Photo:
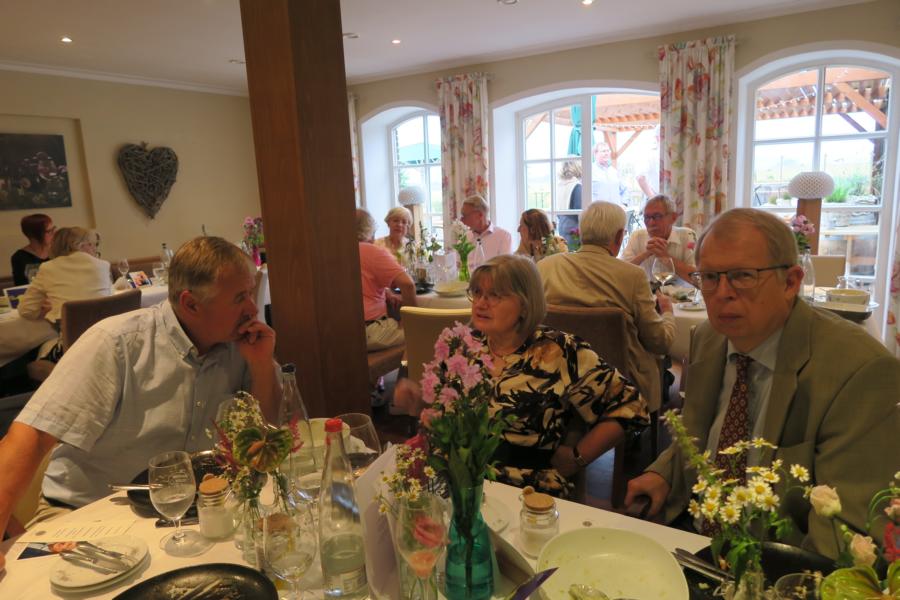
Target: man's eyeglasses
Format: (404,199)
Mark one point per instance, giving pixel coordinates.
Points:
(492,297)
(739,279)
(655,217)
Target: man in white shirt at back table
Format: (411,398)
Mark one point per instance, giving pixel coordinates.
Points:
(475,214)
(144,382)
(661,239)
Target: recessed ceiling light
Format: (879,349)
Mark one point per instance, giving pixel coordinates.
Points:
(508,2)
(351,36)
(237,61)
(587,2)
(395,42)
(65,39)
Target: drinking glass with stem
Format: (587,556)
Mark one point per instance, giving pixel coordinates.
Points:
(362,445)
(122,266)
(421,535)
(290,542)
(663,270)
(172,491)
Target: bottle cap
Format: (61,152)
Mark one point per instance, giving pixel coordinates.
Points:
(212,485)
(288,368)
(536,501)
(334,426)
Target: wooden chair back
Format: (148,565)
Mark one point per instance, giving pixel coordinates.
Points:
(79,315)
(421,328)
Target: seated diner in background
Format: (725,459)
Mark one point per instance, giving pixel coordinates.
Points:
(398,220)
(593,276)
(39,230)
(544,379)
(144,382)
(661,239)
(475,214)
(768,365)
(379,270)
(537,238)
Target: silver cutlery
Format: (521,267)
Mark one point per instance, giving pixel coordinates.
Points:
(104,565)
(89,548)
(130,487)
(707,569)
(162,522)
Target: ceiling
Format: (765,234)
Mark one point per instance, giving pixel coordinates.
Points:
(189,43)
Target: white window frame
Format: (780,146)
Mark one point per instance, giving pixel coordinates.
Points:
(760,74)
(427,214)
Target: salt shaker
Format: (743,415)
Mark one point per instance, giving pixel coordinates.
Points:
(538,521)
(215,512)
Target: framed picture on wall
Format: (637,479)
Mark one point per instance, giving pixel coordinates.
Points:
(33,172)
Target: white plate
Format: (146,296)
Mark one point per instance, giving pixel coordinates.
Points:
(690,306)
(619,563)
(75,578)
(451,288)
(678,292)
(496,515)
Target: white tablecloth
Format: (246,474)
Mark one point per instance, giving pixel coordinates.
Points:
(684,320)
(18,335)
(28,578)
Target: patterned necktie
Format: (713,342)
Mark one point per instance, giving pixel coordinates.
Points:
(736,425)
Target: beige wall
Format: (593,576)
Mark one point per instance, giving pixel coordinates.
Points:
(635,60)
(211,134)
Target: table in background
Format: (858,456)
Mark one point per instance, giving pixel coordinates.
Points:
(684,321)
(29,578)
(18,335)
(435,300)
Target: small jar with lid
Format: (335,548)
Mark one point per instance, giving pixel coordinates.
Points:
(214,508)
(538,521)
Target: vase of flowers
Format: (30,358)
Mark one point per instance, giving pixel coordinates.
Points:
(740,512)
(254,239)
(252,451)
(868,570)
(463,247)
(462,437)
(575,234)
(803,228)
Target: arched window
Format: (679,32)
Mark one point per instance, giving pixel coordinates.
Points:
(830,115)
(563,170)
(416,162)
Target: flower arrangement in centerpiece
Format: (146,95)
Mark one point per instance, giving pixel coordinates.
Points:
(463,247)
(743,513)
(423,249)
(251,450)
(550,245)
(803,228)
(254,239)
(462,438)
(575,234)
(861,559)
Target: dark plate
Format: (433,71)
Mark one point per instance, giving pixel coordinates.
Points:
(203,462)
(225,581)
(777,560)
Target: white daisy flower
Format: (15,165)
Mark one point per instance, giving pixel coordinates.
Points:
(730,513)
(699,486)
(694,508)
(800,473)
(709,509)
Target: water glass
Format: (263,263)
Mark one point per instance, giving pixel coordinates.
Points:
(798,586)
(160,273)
(172,490)
(362,445)
(290,543)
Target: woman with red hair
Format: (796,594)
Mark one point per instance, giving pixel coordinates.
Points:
(39,230)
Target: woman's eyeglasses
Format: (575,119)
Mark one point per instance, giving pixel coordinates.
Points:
(492,297)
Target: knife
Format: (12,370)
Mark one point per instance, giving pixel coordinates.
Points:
(102,564)
(694,563)
(89,548)
(131,487)
(525,590)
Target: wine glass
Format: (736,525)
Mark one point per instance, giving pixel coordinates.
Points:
(122,267)
(159,273)
(421,535)
(172,491)
(663,270)
(289,543)
(363,446)
(798,586)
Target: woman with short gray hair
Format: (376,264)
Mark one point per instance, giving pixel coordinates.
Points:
(542,379)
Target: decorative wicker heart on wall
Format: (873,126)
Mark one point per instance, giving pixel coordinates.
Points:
(149,175)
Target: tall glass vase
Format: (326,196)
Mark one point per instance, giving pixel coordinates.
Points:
(463,266)
(752,586)
(469,572)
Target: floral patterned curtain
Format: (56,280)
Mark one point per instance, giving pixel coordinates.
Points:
(892,339)
(354,145)
(463,108)
(696,80)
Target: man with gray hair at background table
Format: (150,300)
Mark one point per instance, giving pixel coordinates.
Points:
(144,382)
(769,365)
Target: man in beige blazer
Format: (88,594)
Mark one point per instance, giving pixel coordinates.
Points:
(820,387)
(593,276)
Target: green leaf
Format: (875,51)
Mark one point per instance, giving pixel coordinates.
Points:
(857,583)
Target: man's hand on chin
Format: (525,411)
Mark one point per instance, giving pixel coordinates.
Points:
(256,342)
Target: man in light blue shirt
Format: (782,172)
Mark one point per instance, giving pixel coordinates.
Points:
(145,382)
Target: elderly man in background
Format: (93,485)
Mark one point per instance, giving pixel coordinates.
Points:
(144,382)
(379,270)
(494,240)
(661,239)
(593,276)
(768,365)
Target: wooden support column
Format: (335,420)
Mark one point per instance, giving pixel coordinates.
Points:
(298,103)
